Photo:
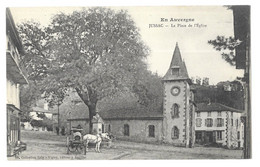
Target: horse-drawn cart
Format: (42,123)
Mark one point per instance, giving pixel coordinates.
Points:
(75,143)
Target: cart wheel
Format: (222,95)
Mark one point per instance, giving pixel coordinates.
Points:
(68,151)
(72,147)
(80,148)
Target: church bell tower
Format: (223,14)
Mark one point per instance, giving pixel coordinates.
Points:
(178,107)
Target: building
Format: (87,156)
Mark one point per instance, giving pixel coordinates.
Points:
(219,124)
(178,110)
(126,124)
(174,125)
(14,78)
(34,115)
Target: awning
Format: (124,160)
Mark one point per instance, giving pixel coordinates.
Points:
(13,69)
(12,107)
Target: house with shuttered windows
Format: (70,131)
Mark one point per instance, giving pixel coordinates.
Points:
(217,123)
(15,77)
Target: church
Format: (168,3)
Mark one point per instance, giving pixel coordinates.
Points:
(173,125)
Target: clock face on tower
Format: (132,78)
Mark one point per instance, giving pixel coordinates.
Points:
(175,90)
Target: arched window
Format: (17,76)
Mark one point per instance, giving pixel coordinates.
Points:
(103,128)
(109,128)
(175,132)
(126,130)
(151,131)
(175,111)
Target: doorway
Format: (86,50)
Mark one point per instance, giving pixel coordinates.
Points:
(209,137)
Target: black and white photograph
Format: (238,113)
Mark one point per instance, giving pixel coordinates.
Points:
(128,82)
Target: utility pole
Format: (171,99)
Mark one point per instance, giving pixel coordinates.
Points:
(248,145)
(58,116)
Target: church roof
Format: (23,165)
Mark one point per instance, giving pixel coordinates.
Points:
(178,64)
(215,107)
(125,114)
(129,113)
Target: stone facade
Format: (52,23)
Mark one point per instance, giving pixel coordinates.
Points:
(180,121)
(139,130)
(173,125)
(219,124)
(178,104)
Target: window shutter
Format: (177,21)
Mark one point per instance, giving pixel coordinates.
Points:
(172,133)
(216,122)
(206,122)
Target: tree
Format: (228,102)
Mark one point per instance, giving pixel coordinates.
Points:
(41,115)
(233,98)
(36,123)
(241,45)
(36,61)
(205,81)
(227,45)
(198,80)
(96,51)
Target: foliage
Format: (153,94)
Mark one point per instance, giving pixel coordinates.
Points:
(36,42)
(41,115)
(45,122)
(227,45)
(232,98)
(96,51)
(36,123)
(149,90)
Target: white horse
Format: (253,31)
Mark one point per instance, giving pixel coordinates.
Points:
(96,139)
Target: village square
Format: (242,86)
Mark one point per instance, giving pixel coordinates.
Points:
(83,86)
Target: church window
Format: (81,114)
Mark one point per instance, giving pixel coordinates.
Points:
(126,130)
(8,46)
(103,128)
(151,131)
(175,132)
(109,128)
(175,111)
(238,135)
(198,122)
(176,71)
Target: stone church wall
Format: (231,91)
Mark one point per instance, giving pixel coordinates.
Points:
(179,122)
(138,130)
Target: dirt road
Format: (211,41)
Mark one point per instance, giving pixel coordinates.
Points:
(49,146)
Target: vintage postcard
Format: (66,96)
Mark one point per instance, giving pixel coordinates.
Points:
(128,83)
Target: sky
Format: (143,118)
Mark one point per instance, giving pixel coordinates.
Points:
(200,57)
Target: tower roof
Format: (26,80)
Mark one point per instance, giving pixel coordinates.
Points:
(177,69)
